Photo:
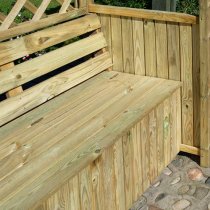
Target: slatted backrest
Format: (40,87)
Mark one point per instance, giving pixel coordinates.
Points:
(54,72)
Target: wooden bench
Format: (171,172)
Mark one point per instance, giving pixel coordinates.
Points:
(69,111)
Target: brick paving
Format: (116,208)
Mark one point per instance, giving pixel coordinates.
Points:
(183,185)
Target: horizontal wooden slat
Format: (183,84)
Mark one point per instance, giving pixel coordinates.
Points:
(45,22)
(34,180)
(15,106)
(29,44)
(34,68)
(190,149)
(142,13)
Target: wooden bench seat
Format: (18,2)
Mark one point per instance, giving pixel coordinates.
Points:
(54,125)
(42,149)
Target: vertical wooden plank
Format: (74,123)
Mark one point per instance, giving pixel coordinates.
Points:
(97,184)
(109,181)
(204,81)
(67,197)
(83,3)
(127,37)
(150,48)
(187,90)
(162,49)
(119,175)
(174,51)
(137,167)
(178,119)
(196,84)
(128,169)
(153,146)
(160,137)
(173,125)
(138,47)
(145,152)
(74,201)
(106,29)
(85,188)
(166,132)
(117,50)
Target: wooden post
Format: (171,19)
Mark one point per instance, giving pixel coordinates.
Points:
(204,81)
(164,5)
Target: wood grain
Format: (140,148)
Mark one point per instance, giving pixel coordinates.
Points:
(46,63)
(187,90)
(150,48)
(12,50)
(142,13)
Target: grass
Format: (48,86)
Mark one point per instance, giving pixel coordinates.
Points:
(6,5)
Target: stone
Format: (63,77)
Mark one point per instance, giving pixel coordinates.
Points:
(201,192)
(183,189)
(140,203)
(181,204)
(176,180)
(154,208)
(178,162)
(208,181)
(160,197)
(195,174)
(209,206)
(167,171)
(156,184)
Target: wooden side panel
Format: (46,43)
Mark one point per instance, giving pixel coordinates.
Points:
(204,81)
(125,169)
(162,49)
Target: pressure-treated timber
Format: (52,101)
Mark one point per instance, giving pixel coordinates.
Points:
(12,15)
(93,132)
(36,67)
(52,87)
(45,38)
(190,149)
(16,90)
(45,22)
(161,49)
(145,14)
(125,160)
(204,81)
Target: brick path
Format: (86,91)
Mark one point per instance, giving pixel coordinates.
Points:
(182,185)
